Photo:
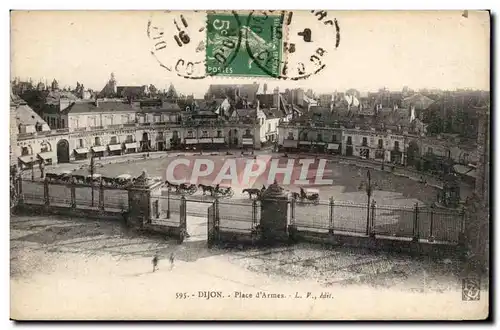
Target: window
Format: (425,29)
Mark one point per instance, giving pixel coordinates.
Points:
(319,137)
(304,136)
(290,136)
(97,141)
(219,133)
(190,134)
(247,132)
(380,144)
(365,142)
(204,134)
(429,150)
(80,143)
(175,135)
(349,140)
(25,151)
(63,123)
(44,147)
(396,145)
(334,138)
(113,140)
(269,127)
(130,139)
(160,136)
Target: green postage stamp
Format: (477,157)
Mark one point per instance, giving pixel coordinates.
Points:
(244,45)
(266,44)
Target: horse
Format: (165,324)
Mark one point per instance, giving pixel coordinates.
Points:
(225,192)
(206,188)
(188,188)
(251,192)
(52,176)
(108,181)
(79,178)
(172,185)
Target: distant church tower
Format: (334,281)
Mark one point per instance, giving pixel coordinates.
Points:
(110,89)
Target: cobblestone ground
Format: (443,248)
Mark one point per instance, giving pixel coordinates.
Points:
(74,268)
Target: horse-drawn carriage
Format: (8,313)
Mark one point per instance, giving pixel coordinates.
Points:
(182,188)
(307,195)
(217,191)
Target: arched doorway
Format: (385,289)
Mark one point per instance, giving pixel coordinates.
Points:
(145,143)
(63,151)
(412,154)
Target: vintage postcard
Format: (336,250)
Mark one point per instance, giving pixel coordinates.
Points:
(250,165)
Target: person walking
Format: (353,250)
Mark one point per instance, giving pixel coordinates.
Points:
(172,259)
(155,262)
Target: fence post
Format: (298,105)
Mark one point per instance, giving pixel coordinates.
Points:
(46,192)
(168,203)
(216,218)
(372,224)
(431,229)
(72,188)
(254,213)
(19,188)
(331,204)
(415,224)
(292,212)
(101,196)
(462,220)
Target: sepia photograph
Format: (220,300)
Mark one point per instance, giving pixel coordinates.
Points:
(250,164)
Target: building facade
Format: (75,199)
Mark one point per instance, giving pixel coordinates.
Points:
(381,145)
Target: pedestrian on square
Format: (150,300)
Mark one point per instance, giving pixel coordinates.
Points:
(155,262)
(172,259)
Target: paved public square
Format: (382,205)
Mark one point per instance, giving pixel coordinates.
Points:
(75,268)
(396,194)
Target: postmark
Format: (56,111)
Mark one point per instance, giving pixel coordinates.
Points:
(223,43)
(307,46)
(269,44)
(179,42)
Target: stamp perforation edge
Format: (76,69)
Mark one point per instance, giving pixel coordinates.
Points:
(285,39)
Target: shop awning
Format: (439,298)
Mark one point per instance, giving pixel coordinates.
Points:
(98,148)
(290,143)
(114,147)
(205,140)
(465,170)
(305,142)
(333,146)
(47,155)
(132,145)
(81,151)
(247,141)
(191,141)
(28,159)
(218,140)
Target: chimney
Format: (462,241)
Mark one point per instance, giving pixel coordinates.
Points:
(276,98)
(63,104)
(97,103)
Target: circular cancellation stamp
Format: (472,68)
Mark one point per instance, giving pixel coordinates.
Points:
(291,45)
(195,44)
(269,44)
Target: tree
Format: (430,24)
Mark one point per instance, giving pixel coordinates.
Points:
(54,85)
(153,90)
(171,93)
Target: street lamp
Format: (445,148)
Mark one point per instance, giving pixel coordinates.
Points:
(92,172)
(369,195)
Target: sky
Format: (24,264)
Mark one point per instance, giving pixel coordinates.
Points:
(433,49)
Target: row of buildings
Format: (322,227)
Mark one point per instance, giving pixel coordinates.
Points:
(230,116)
